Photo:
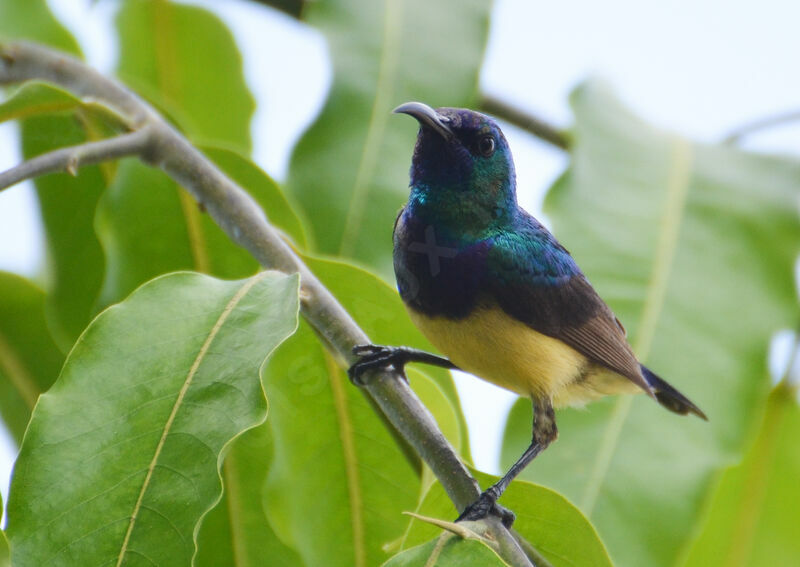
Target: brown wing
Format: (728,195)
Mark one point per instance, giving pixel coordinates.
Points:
(602,339)
(571,311)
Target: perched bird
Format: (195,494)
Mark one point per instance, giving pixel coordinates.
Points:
(494,290)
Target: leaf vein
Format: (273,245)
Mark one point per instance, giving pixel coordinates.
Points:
(178,403)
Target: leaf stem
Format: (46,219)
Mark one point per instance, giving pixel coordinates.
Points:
(236,212)
(775,120)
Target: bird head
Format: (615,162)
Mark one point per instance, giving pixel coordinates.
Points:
(461,163)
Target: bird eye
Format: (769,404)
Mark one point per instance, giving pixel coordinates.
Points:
(486,146)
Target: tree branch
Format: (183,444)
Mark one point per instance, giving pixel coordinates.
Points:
(70,159)
(736,135)
(533,124)
(235,211)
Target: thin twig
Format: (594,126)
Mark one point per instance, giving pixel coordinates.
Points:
(71,158)
(755,126)
(528,122)
(240,217)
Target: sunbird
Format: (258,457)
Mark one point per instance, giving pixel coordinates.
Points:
(492,288)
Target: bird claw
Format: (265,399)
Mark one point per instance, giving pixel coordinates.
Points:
(375,356)
(487,504)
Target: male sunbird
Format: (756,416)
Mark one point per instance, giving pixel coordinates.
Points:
(492,289)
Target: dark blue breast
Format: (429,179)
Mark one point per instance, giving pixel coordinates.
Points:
(437,273)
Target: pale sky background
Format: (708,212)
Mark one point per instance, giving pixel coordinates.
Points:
(698,67)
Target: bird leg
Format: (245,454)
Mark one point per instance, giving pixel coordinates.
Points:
(544,433)
(378,356)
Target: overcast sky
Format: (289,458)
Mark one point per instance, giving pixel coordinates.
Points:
(698,67)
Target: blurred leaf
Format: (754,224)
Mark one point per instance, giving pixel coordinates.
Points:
(753,513)
(149,225)
(339,482)
(122,454)
(67,204)
(349,172)
(5,559)
(450,552)
(693,246)
(33,98)
(547,520)
(185,60)
(33,21)
(236,531)
(29,360)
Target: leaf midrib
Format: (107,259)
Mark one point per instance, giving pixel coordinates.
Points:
(350,459)
(238,296)
(387,67)
(666,248)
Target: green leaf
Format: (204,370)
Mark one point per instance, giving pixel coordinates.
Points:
(32,20)
(29,360)
(33,98)
(67,205)
(448,552)
(122,456)
(547,520)
(185,60)
(753,512)
(5,559)
(693,246)
(149,225)
(236,532)
(380,313)
(339,482)
(350,170)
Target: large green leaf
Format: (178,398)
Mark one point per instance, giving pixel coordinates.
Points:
(67,205)
(753,513)
(32,20)
(29,360)
(350,170)
(339,482)
(236,532)
(693,247)
(149,225)
(450,552)
(547,520)
(122,455)
(185,60)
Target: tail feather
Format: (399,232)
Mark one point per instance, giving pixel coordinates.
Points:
(669,397)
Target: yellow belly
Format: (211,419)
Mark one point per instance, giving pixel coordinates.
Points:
(508,353)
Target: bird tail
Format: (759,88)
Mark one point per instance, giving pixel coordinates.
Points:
(669,397)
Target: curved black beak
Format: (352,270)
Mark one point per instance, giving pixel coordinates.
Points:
(426,117)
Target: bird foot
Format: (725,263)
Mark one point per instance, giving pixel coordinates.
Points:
(376,356)
(487,504)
